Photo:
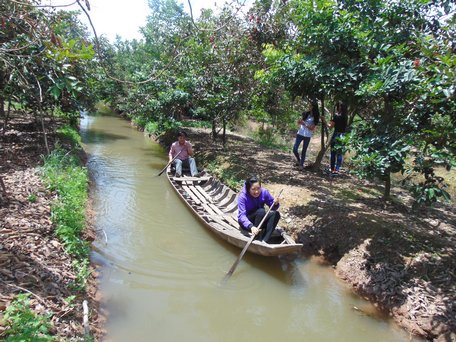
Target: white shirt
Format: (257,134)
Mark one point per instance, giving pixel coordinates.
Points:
(303,130)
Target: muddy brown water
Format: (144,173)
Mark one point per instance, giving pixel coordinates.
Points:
(162,270)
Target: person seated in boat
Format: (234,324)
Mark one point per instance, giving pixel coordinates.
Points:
(184,151)
(251,210)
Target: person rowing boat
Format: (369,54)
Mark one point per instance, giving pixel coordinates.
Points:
(181,155)
(251,210)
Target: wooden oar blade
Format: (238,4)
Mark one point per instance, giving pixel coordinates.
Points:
(231,271)
(227,276)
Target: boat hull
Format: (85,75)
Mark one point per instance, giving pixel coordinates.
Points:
(215,205)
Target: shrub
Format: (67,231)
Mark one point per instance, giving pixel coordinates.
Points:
(22,324)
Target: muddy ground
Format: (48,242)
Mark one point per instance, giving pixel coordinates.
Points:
(32,259)
(402,260)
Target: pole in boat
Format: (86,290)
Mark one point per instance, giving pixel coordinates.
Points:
(169,163)
(231,271)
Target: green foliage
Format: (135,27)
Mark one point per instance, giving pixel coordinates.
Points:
(391,62)
(152,127)
(378,153)
(46,59)
(70,300)
(270,138)
(157,128)
(230,178)
(22,324)
(82,268)
(69,134)
(32,198)
(139,121)
(432,188)
(62,174)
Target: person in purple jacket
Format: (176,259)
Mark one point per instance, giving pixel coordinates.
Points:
(251,210)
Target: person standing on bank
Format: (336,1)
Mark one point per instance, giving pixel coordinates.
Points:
(251,210)
(307,125)
(185,157)
(339,122)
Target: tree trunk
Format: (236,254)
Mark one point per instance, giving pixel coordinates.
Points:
(44,130)
(387,191)
(2,99)
(5,121)
(323,148)
(351,118)
(224,132)
(214,130)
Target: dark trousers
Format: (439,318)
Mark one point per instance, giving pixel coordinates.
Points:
(269,224)
(337,152)
(305,145)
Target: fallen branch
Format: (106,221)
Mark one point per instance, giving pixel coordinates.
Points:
(23,289)
(85,321)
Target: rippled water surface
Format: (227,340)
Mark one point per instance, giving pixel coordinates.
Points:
(162,269)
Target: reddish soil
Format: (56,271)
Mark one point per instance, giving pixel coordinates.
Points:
(400,259)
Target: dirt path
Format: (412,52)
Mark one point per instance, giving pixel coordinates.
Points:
(402,260)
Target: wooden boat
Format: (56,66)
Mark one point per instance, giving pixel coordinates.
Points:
(216,206)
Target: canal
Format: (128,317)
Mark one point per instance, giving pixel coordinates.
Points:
(161,270)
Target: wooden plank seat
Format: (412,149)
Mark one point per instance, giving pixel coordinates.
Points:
(208,209)
(191,194)
(232,220)
(204,193)
(220,221)
(192,179)
(216,209)
(195,192)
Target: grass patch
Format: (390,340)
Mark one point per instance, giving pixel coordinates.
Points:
(228,177)
(270,139)
(32,198)
(63,174)
(69,134)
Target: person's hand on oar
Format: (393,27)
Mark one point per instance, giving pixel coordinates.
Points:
(169,163)
(254,231)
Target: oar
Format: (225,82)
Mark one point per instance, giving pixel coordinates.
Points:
(231,271)
(169,163)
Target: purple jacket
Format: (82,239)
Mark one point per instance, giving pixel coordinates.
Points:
(248,205)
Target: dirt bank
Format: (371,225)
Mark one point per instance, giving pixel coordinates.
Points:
(32,260)
(402,260)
